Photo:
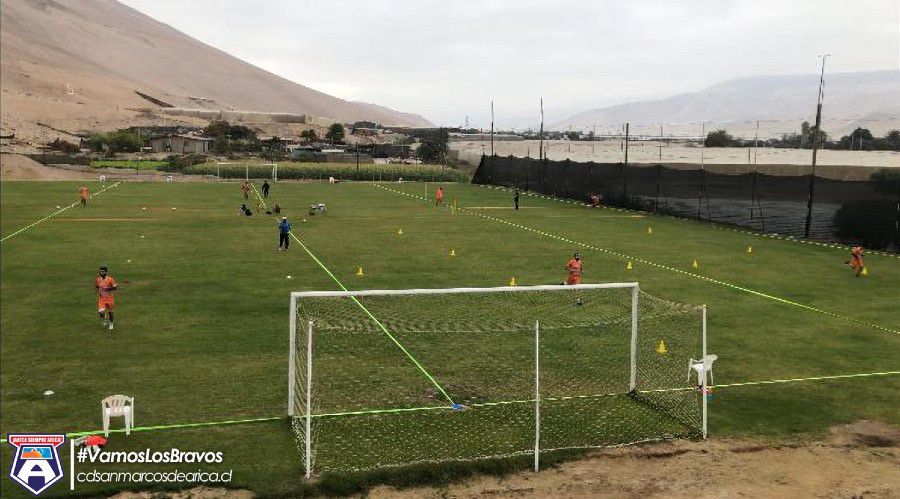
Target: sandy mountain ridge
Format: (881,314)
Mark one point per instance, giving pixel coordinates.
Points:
(870,99)
(76,64)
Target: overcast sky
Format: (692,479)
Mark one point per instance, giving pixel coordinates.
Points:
(448,59)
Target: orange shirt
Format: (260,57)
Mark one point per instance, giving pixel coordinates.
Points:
(85,193)
(857,251)
(106,285)
(574,267)
(439,194)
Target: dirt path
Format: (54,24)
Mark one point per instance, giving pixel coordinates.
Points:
(860,460)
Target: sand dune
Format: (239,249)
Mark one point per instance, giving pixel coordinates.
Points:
(76,64)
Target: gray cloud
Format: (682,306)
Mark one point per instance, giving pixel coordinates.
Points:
(446,60)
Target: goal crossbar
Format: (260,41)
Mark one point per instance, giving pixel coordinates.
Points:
(444,291)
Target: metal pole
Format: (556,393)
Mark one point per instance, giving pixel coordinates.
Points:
(627,125)
(705,401)
(541,134)
(635,293)
(537,396)
(492,128)
(309,346)
(815,147)
(292,358)
(357,161)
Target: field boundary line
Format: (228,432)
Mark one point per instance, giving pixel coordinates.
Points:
(361,306)
(665,267)
(482,404)
(716,225)
(57,212)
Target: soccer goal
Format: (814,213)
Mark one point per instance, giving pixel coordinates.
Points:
(383,378)
(226,170)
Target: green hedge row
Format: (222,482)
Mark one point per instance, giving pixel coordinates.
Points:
(340,171)
(145,164)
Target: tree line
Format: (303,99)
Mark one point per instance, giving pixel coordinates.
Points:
(860,139)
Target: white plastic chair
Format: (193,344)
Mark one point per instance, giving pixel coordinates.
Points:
(702,366)
(117,406)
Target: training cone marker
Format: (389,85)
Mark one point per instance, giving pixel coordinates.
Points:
(174,208)
(399,232)
(749,250)
(289,277)
(649,230)
(359,272)
(695,265)
(143,208)
(512,281)
(865,271)
(629,266)
(48,393)
(661,348)
(452,253)
(127,261)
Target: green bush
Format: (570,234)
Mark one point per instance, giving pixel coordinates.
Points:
(128,163)
(340,171)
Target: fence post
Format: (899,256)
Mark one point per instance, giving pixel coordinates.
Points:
(537,396)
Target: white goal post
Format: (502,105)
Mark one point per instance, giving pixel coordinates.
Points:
(273,173)
(386,363)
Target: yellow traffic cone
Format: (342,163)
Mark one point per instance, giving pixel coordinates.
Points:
(629,266)
(865,271)
(649,230)
(695,265)
(749,250)
(452,253)
(661,348)
(359,272)
(512,281)
(399,232)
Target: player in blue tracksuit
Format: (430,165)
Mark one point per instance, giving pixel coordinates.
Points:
(284,230)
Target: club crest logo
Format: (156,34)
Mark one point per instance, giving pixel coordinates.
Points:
(36,465)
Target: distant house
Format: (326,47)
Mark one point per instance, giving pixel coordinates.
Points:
(366,128)
(180,144)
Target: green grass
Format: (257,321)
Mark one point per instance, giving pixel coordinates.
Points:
(202,310)
(144,164)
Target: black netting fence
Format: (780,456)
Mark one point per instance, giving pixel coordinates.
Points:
(860,212)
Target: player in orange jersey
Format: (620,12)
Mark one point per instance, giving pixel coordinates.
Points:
(439,196)
(85,193)
(245,188)
(106,286)
(856,261)
(574,268)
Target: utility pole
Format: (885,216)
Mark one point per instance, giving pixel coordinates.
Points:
(492,128)
(541,133)
(660,142)
(627,125)
(815,147)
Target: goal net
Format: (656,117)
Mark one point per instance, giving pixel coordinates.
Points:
(395,377)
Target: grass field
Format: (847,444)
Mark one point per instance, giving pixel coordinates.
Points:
(201,329)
